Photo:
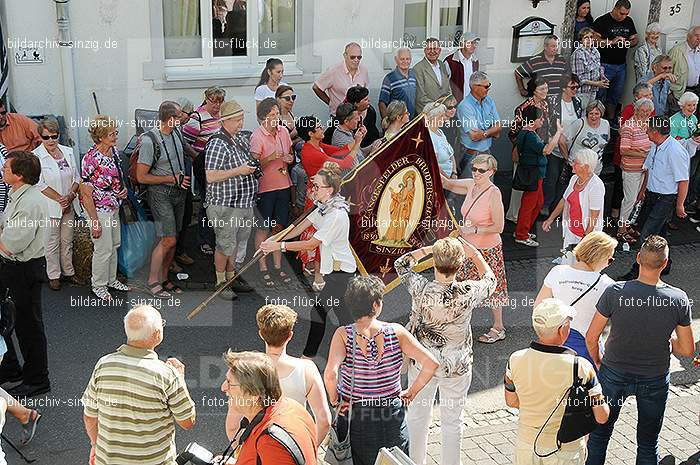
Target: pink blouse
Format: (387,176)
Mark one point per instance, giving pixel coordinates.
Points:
(480,215)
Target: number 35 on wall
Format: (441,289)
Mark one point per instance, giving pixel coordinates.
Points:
(675,9)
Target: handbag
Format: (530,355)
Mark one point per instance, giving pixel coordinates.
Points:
(339,450)
(526,176)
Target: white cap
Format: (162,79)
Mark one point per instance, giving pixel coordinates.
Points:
(551,313)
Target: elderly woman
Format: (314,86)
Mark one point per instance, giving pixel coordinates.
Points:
(253,388)
(314,154)
(537,90)
(435,118)
(440,319)
(482,225)
(585,62)
(683,125)
(204,122)
(634,148)
(101,193)
(272,145)
(364,370)
(332,228)
(646,52)
(396,117)
(591,132)
(569,282)
(582,205)
(300,378)
(533,153)
(60,183)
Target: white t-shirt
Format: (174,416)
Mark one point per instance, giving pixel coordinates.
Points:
(568,283)
(568,113)
(333,230)
(592,197)
(262,92)
(589,138)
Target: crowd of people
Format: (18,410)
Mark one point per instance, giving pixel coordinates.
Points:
(255,184)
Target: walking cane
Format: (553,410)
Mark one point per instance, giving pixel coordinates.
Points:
(4,438)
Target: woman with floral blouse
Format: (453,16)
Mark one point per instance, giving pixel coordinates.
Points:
(101,194)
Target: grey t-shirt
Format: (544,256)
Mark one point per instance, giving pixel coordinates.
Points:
(642,318)
(173,144)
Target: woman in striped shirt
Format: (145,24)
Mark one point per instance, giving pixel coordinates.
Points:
(634,148)
(364,374)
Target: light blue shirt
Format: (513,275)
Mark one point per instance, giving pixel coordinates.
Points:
(667,165)
(443,151)
(473,114)
(659,91)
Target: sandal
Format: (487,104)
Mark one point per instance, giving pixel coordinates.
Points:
(171,287)
(206,249)
(318,287)
(102,293)
(157,291)
(118,286)
(493,335)
(626,237)
(29,428)
(267,279)
(283,276)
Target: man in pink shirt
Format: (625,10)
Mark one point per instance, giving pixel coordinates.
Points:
(334,83)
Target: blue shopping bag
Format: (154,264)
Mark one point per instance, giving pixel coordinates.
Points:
(137,240)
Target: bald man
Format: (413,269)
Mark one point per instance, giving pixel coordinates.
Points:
(334,83)
(132,387)
(399,84)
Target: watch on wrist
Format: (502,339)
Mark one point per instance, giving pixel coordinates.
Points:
(283,247)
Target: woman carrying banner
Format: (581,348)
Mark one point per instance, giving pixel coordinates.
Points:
(332,225)
(482,225)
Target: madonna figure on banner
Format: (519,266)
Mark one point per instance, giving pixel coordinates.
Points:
(400,210)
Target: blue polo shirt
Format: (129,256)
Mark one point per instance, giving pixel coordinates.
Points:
(667,165)
(660,91)
(473,114)
(396,86)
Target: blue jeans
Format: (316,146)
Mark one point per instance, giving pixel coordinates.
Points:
(577,342)
(464,165)
(651,393)
(616,74)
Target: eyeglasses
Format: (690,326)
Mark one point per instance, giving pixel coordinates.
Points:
(52,136)
(289,98)
(485,86)
(215,102)
(667,68)
(113,134)
(163,322)
(480,170)
(574,87)
(3,112)
(315,187)
(355,57)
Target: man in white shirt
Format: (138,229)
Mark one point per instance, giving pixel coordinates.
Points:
(461,64)
(432,80)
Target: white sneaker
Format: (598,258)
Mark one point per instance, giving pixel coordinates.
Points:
(528,242)
(530,235)
(697,228)
(694,219)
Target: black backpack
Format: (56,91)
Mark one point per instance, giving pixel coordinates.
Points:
(7,314)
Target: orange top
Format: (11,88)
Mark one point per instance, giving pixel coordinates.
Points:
(20,133)
(294,418)
(480,214)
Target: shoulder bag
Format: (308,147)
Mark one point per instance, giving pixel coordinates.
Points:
(526,176)
(339,449)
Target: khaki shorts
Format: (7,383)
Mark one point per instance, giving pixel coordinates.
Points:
(525,455)
(231,226)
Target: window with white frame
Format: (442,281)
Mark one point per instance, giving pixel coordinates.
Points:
(420,19)
(220,32)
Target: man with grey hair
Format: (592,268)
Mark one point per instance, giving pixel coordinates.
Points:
(399,84)
(548,65)
(161,167)
(332,85)
(686,64)
(432,81)
(461,64)
(479,122)
(534,381)
(133,400)
(660,79)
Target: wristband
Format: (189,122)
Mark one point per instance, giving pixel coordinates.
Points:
(283,247)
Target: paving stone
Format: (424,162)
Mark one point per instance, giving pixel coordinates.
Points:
(500,459)
(476,454)
(496,438)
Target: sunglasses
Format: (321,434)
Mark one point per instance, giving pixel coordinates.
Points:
(480,170)
(485,86)
(53,136)
(289,98)
(574,87)
(355,57)
(667,68)
(3,112)
(451,107)
(315,187)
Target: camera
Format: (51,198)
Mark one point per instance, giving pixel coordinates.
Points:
(258,173)
(180,180)
(195,454)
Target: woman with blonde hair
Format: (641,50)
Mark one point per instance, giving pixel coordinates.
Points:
(299,378)
(581,285)
(482,225)
(396,116)
(332,229)
(101,194)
